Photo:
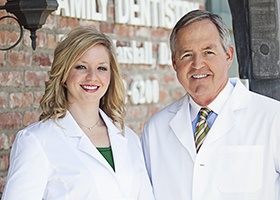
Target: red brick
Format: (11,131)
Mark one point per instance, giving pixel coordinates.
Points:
(51,22)
(4,162)
(163,95)
(35,78)
(2,184)
(13,78)
(2,37)
(136,112)
(105,27)
(13,22)
(37,98)
(3,100)
(21,99)
(30,117)
(2,56)
(4,142)
(67,23)
(169,78)
(72,23)
(10,120)
(19,58)
(12,138)
(12,38)
(41,39)
(152,109)
(42,59)
(177,93)
(3,13)
(124,30)
(87,23)
(143,32)
(26,41)
(51,40)
(135,127)
(160,34)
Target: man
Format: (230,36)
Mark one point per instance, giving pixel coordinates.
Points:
(239,157)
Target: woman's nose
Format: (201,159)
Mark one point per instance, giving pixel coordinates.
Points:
(91,74)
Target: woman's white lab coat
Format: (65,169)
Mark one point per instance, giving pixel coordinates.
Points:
(239,160)
(58,162)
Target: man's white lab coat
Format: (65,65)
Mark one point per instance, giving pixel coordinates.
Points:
(240,158)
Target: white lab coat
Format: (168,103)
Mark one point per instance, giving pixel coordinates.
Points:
(58,162)
(240,158)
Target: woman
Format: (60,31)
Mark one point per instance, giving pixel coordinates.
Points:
(80,148)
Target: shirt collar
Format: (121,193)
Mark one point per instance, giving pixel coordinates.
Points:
(216,105)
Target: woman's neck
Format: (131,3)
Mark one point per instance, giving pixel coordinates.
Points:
(86,116)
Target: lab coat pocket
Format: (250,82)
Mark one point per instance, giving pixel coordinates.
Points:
(239,169)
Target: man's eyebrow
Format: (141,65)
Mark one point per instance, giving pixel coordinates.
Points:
(182,51)
(207,47)
(210,46)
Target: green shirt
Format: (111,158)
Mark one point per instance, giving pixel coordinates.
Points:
(107,153)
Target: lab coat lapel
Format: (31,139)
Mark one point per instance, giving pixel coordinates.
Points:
(79,139)
(223,124)
(87,147)
(119,148)
(226,119)
(182,127)
(118,143)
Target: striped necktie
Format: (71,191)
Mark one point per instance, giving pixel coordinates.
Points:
(202,128)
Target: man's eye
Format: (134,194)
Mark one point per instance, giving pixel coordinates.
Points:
(209,52)
(80,67)
(187,55)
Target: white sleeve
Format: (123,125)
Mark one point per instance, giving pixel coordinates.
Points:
(276,144)
(146,150)
(146,190)
(28,170)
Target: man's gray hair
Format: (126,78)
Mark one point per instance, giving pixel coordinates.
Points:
(197,15)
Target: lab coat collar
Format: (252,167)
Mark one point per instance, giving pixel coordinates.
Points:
(72,129)
(238,100)
(183,131)
(117,141)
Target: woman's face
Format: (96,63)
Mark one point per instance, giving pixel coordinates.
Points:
(89,78)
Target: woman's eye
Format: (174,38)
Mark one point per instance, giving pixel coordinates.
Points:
(80,67)
(102,68)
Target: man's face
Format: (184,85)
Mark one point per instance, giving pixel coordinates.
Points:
(201,62)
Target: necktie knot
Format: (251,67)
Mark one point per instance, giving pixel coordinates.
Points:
(204,112)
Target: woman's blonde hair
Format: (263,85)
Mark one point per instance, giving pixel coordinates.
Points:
(54,101)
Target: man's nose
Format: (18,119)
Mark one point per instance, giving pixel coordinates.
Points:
(198,61)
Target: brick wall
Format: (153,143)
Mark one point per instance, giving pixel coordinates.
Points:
(23,73)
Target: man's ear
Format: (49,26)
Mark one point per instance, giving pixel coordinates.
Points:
(174,63)
(230,55)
